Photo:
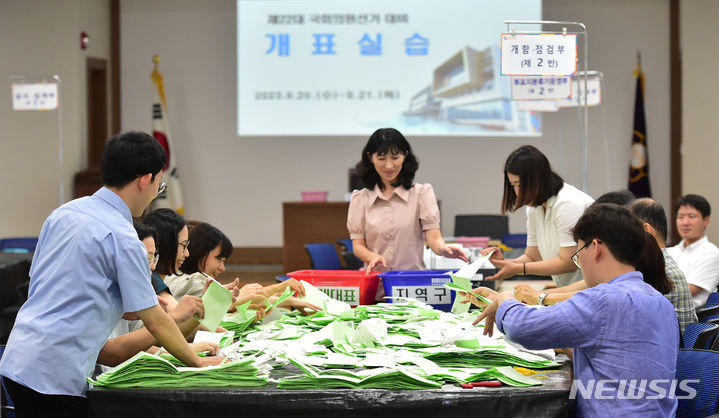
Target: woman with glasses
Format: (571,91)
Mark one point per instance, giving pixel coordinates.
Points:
(172,241)
(208,250)
(553,208)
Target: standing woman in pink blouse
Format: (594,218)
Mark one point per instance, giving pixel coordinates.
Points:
(390,220)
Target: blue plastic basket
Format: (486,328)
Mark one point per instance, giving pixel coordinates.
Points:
(424,285)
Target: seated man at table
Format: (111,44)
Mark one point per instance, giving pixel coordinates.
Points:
(695,255)
(623,330)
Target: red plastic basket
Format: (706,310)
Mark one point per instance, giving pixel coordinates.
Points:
(351,286)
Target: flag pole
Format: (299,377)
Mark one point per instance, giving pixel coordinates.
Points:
(172,197)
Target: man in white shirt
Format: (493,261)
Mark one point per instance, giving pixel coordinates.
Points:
(695,255)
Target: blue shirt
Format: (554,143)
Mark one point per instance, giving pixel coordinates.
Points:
(158,284)
(621,331)
(89,267)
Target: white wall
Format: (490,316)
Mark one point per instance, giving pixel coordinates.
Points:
(699,119)
(240,184)
(42,37)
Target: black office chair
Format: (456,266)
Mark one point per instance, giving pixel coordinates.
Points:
(700,335)
(348,256)
(708,313)
(492,226)
(345,244)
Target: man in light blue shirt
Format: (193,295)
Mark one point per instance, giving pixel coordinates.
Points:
(89,267)
(624,332)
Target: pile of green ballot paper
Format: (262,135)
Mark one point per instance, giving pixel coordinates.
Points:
(148,371)
(400,346)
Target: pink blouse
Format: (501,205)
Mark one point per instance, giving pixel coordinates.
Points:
(394,227)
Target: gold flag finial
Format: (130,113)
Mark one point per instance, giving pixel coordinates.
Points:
(156,60)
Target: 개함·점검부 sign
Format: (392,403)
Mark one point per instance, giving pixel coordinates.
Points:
(538,54)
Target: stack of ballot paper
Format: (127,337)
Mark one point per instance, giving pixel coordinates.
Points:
(379,378)
(489,357)
(147,371)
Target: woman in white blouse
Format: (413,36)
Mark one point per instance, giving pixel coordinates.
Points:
(552,206)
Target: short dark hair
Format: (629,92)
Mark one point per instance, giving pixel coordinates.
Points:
(537,181)
(651,212)
(622,232)
(620,197)
(168,225)
(203,239)
(382,141)
(145,231)
(129,155)
(695,201)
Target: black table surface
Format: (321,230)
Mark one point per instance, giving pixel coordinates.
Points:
(548,400)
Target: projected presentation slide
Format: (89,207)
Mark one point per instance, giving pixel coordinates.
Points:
(332,67)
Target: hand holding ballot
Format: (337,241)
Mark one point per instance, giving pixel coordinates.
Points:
(507,268)
(302,306)
(478,297)
(294,285)
(205,347)
(490,311)
(496,253)
(186,308)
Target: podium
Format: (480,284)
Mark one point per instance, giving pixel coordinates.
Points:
(309,222)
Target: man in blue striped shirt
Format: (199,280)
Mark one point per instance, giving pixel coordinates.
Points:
(88,268)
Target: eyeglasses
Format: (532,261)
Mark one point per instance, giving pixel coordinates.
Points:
(161,189)
(184,244)
(575,256)
(153,259)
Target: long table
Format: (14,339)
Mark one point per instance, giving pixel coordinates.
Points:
(549,400)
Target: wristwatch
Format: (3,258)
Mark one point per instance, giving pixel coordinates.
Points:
(540,298)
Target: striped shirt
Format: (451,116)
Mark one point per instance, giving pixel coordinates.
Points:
(680,296)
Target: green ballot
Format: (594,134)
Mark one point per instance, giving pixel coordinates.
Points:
(465,285)
(216,300)
(462,288)
(286,294)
